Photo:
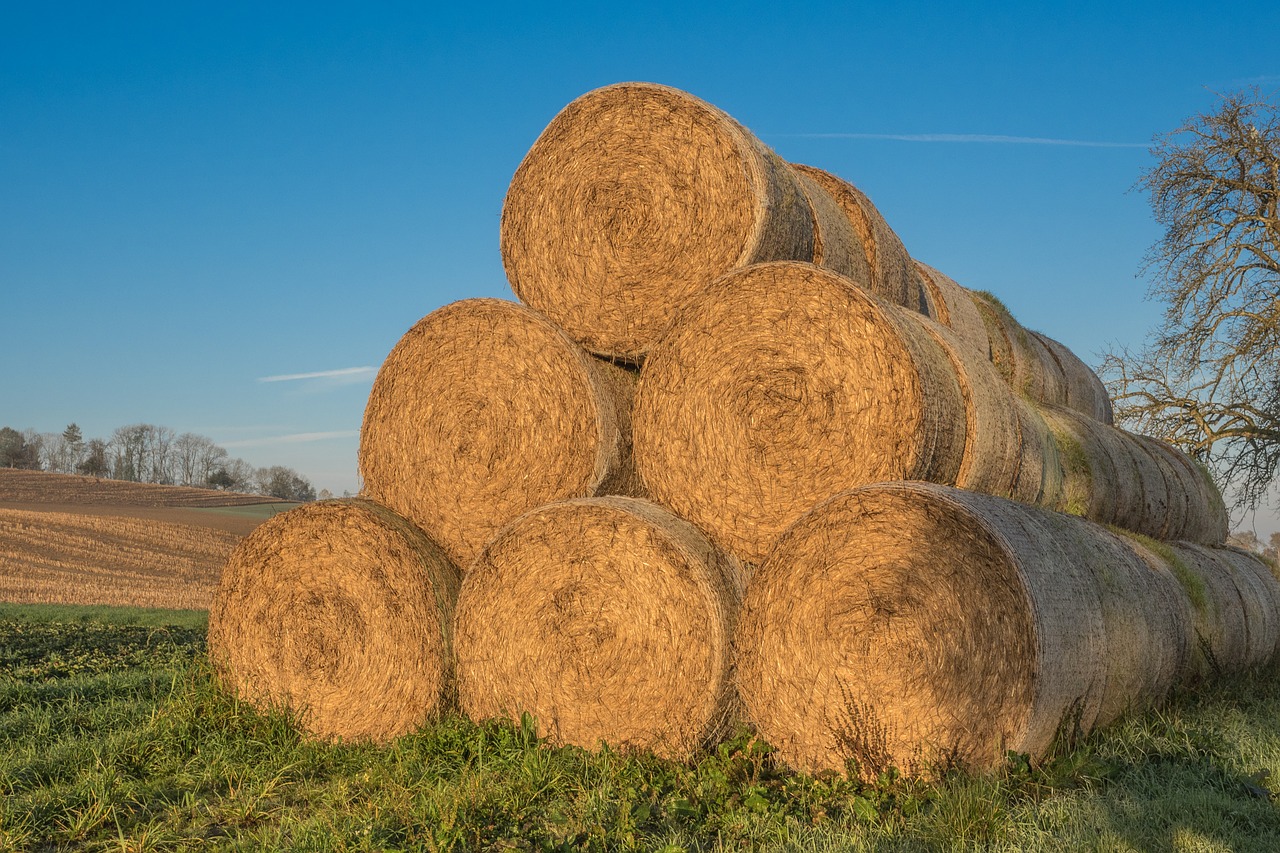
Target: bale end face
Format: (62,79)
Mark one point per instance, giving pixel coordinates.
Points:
(339,611)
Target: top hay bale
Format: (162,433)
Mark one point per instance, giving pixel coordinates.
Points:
(633,198)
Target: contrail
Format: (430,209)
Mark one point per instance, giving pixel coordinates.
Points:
(351,373)
(969,138)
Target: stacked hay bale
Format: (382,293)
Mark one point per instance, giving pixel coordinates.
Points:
(638,486)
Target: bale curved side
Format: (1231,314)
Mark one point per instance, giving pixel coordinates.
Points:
(1221,613)
(953,307)
(340,611)
(836,246)
(1084,390)
(609,620)
(780,385)
(632,198)
(483,410)
(993,441)
(893,275)
(857,643)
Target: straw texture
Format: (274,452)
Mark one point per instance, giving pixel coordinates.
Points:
(630,200)
(1084,391)
(782,384)
(341,612)
(484,410)
(907,623)
(609,620)
(893,276)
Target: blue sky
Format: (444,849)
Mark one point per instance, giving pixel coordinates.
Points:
(195,199)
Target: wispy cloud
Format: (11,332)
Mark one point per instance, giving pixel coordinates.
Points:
(971,138)
(292,438)
(343,375)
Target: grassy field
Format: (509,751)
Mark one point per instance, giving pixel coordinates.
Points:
(114,736)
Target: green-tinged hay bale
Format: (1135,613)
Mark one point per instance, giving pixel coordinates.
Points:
(782,384)
(609,620)
(1083,389)
(908,623)
(341,611)
(953,307)
(1225,638)
(634,197)
(484,410)
(993,448)
(893,275)
(1023,359)
(1041,467)
(1260,592)
(1115,477)
(836,246)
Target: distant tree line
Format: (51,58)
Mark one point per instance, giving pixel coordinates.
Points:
(145,453)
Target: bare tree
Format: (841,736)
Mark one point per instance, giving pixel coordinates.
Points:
(1208,378)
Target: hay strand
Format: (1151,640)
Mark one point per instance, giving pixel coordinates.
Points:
(339,610)
(632,198)
(607,619)
(782,384)
(484,410)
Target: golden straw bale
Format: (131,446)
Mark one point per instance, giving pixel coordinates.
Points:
(484,410)
(609,620)
(893,275)
(836,246)
(782,384)
(339,610)
(953,307)
(632,198)
(910,623)
(1084,390)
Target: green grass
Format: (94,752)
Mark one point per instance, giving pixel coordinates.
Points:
(115,737)
(262,511)
(103,614)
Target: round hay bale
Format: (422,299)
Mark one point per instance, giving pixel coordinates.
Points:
(1178,507)
(339,610)
(1260,593)
(1195,510)
(633,198)
(1221,617)
(993,445)
(609,620)
(1095,484)
(953,307)
(836,246)
(1040,468)
(893,275)
(906,623)
(782,384)
(485,409)
(1084,390)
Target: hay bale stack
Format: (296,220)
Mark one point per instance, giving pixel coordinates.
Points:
(836,246)
(908,623)
(952,305)
(484,410)
(632,198)
(893,276)
(609,620)
(340,611)
(782,384)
